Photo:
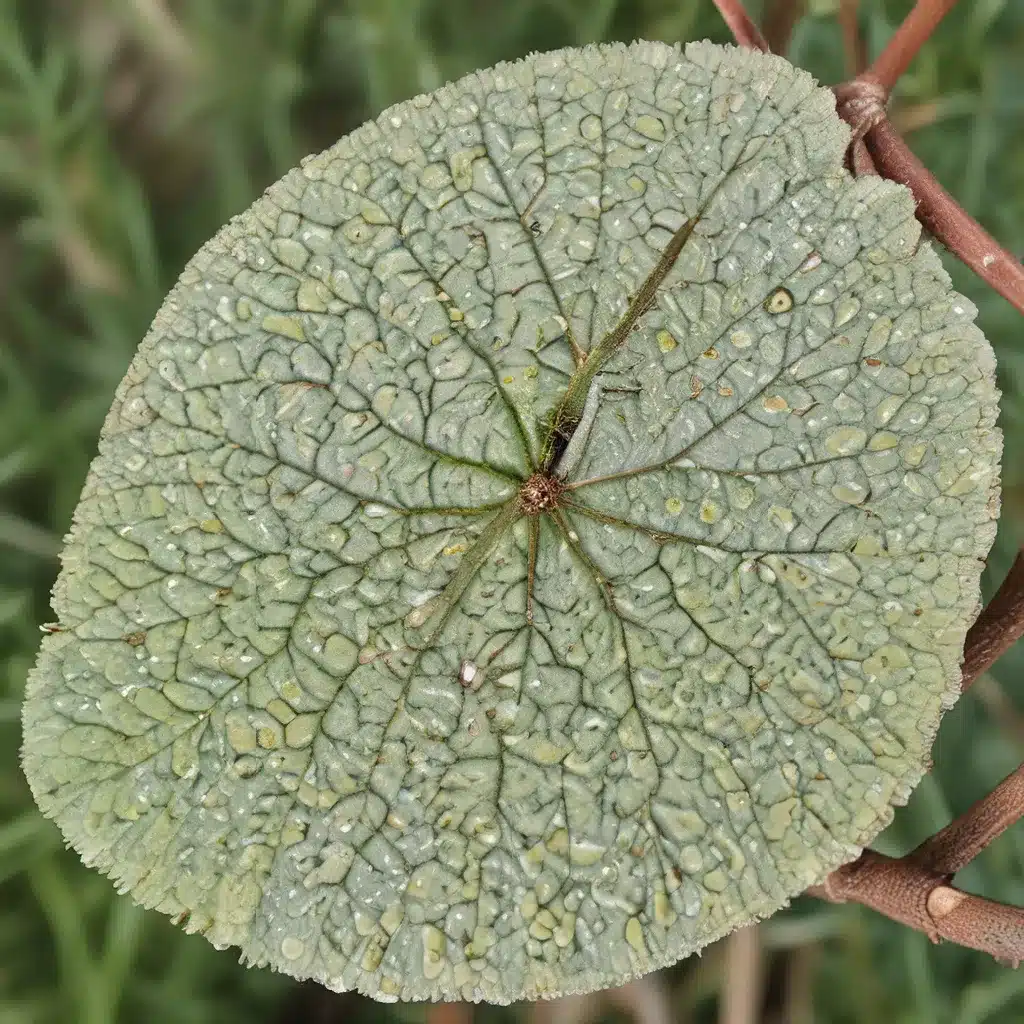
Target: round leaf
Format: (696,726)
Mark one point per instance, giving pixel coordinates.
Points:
(535,539)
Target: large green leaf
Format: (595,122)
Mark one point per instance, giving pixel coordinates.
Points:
(534,540)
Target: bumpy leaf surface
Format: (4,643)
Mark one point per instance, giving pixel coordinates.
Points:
(534,540)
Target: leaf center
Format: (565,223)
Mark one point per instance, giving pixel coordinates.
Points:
(539,493)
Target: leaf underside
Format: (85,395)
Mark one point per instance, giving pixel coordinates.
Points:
(329,688)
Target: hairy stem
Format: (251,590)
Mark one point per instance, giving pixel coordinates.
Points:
(742,978)
(944,217)
(780,18)
(998,627)
(910,893)
(853,42)
(743,29)
(955,846)
(906,41)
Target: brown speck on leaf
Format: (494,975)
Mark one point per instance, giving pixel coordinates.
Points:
(614,755)
(491,712)
(696,387)
(636,850)
(871,361)
(134,639)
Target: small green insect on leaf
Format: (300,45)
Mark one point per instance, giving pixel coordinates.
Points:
(534,540)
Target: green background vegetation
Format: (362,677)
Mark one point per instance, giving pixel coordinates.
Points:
(130,130)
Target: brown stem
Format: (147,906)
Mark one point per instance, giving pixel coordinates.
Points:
(978,923)
(743,29)
(911,894)
(936,209)
(780,18)
(955,846)
(917,27)
(999,626)
(853,42)
(742,978)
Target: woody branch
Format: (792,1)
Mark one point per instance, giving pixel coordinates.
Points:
(916,889)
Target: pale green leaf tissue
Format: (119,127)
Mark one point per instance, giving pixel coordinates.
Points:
(534,540)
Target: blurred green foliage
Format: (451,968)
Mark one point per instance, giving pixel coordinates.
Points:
(130,130)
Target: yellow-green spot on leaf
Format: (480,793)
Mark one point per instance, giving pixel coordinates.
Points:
(286,326)
(850,493)
(461,164)
(280,710)
(650,127)
(434,946)
(846,441)
(635,935)
(312,296)
(666,341)
(267,737)
(673,506)
(883,441)
(300,731)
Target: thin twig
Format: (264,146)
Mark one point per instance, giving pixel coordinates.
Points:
(780,18)
(853,42)
(1001,624)
(965,837)
(743,29)
(912,34)
(798,986)
(940,213)
(741,990)
(860,104)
